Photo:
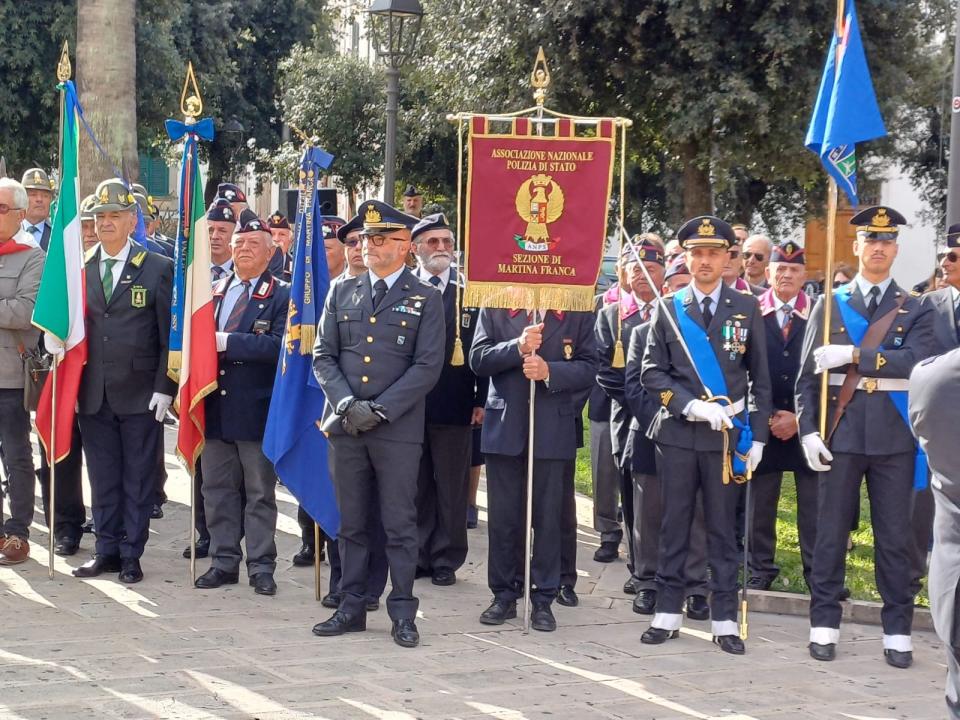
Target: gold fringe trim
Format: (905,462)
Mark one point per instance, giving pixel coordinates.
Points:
(457,359)
(618,359)
(529,297)
(308,336)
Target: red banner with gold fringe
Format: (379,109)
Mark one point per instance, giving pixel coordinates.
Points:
(536,213)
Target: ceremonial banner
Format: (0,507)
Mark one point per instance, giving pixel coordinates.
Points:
(292,439)
(192,359)
(61,299)
(536,213)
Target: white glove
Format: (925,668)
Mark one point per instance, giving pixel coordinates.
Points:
(756,455)
(160,403)
(832,356)
(53,345)
(813,449)
(222,341)
(708,412)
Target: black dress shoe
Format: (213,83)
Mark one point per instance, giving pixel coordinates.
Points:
(898,659)
(645,602)
(66,547)
(844,594)
(87,527)
(758,583)
(730,644)
(263,583)
(422,573)
(607,552)
(202,546)
(499,612)
(405,633)
(632,586)
(373,605)
(130,571)
(658,636)
(698,608)
(567,596)
(341,623)
(215,577)
(98,565)
(305,557)
(542,617)
(825,652)
(156,512)
(331,600)
(443,576)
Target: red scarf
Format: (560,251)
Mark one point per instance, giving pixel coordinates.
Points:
(11,246)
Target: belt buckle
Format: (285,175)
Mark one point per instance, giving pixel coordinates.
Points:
(870,385)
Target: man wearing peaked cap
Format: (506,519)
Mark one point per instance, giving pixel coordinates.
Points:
(40,193)
(124,390)
(281,262)
(88,226)
(454,404)
(879,333)
(723,333)
(413,201)
(221,222)
(233,195)
(785,309)
(376,358)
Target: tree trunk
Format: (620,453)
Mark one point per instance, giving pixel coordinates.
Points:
(697,189)
(107,85)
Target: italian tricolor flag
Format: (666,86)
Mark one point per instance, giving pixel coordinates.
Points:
(193,348)
(61,299)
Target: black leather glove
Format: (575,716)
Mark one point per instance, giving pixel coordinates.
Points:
(361,416)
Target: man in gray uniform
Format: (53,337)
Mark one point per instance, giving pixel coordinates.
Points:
(722,329)
(877,334)
(376,357)
(934,396)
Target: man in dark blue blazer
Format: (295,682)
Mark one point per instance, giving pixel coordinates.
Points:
(453,406)
(559,354)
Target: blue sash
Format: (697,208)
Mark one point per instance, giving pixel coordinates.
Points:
(708,367)
(857,325)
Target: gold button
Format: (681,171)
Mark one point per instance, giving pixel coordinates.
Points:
(369,338)
(366,358)
(403,323)
(373,321)
(365,379)
(223,372)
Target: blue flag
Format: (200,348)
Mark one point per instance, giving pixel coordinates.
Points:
(293,440)
(846,111)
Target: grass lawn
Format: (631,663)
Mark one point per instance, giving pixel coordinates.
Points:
(860,574)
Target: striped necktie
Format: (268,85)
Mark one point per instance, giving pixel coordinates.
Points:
(233,322)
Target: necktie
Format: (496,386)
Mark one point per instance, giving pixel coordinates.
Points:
(35,231)
(874,300)
(787,317)
(107,278)
(707,312)
(217,272)
(379,293)
(233,322)
(435,280)
(645,313)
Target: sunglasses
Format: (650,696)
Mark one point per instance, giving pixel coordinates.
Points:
(4,209)
(351,243)
(951,256)
(758,256)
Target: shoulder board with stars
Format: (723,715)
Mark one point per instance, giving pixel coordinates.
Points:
(916,293)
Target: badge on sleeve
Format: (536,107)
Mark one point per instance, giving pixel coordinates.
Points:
(138,296)
(465,321)
(568,348)
(261,326)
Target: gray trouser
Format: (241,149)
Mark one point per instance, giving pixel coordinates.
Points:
(226,467)
(945,583)
(17,462)
(647,513)
(606,483)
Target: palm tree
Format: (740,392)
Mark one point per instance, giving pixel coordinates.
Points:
(106,82)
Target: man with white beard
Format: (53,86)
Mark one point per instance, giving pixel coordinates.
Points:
(453,406)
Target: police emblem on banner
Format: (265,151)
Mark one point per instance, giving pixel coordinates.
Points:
(138,296)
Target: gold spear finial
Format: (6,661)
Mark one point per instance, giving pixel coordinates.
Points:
(191,104)
(540,78)
(64,69)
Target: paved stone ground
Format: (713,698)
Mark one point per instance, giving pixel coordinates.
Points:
(161,649)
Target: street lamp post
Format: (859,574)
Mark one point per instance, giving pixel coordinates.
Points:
(395,28)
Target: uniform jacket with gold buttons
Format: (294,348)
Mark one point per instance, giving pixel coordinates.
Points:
(237,409)
(392,355)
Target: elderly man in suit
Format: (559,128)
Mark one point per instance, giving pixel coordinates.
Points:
(124,390)
(251,310)
(558,352)
(376,357)
(934,397)
(37,217)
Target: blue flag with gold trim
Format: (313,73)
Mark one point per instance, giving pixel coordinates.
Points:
(293,440)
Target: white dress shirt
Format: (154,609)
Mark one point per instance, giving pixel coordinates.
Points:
(389,279)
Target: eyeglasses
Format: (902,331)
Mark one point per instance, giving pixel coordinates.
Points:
(351,243)
(4,209)
(378,240)
(758,256)
(437,242)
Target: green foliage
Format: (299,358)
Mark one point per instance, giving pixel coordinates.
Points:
(339,102)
